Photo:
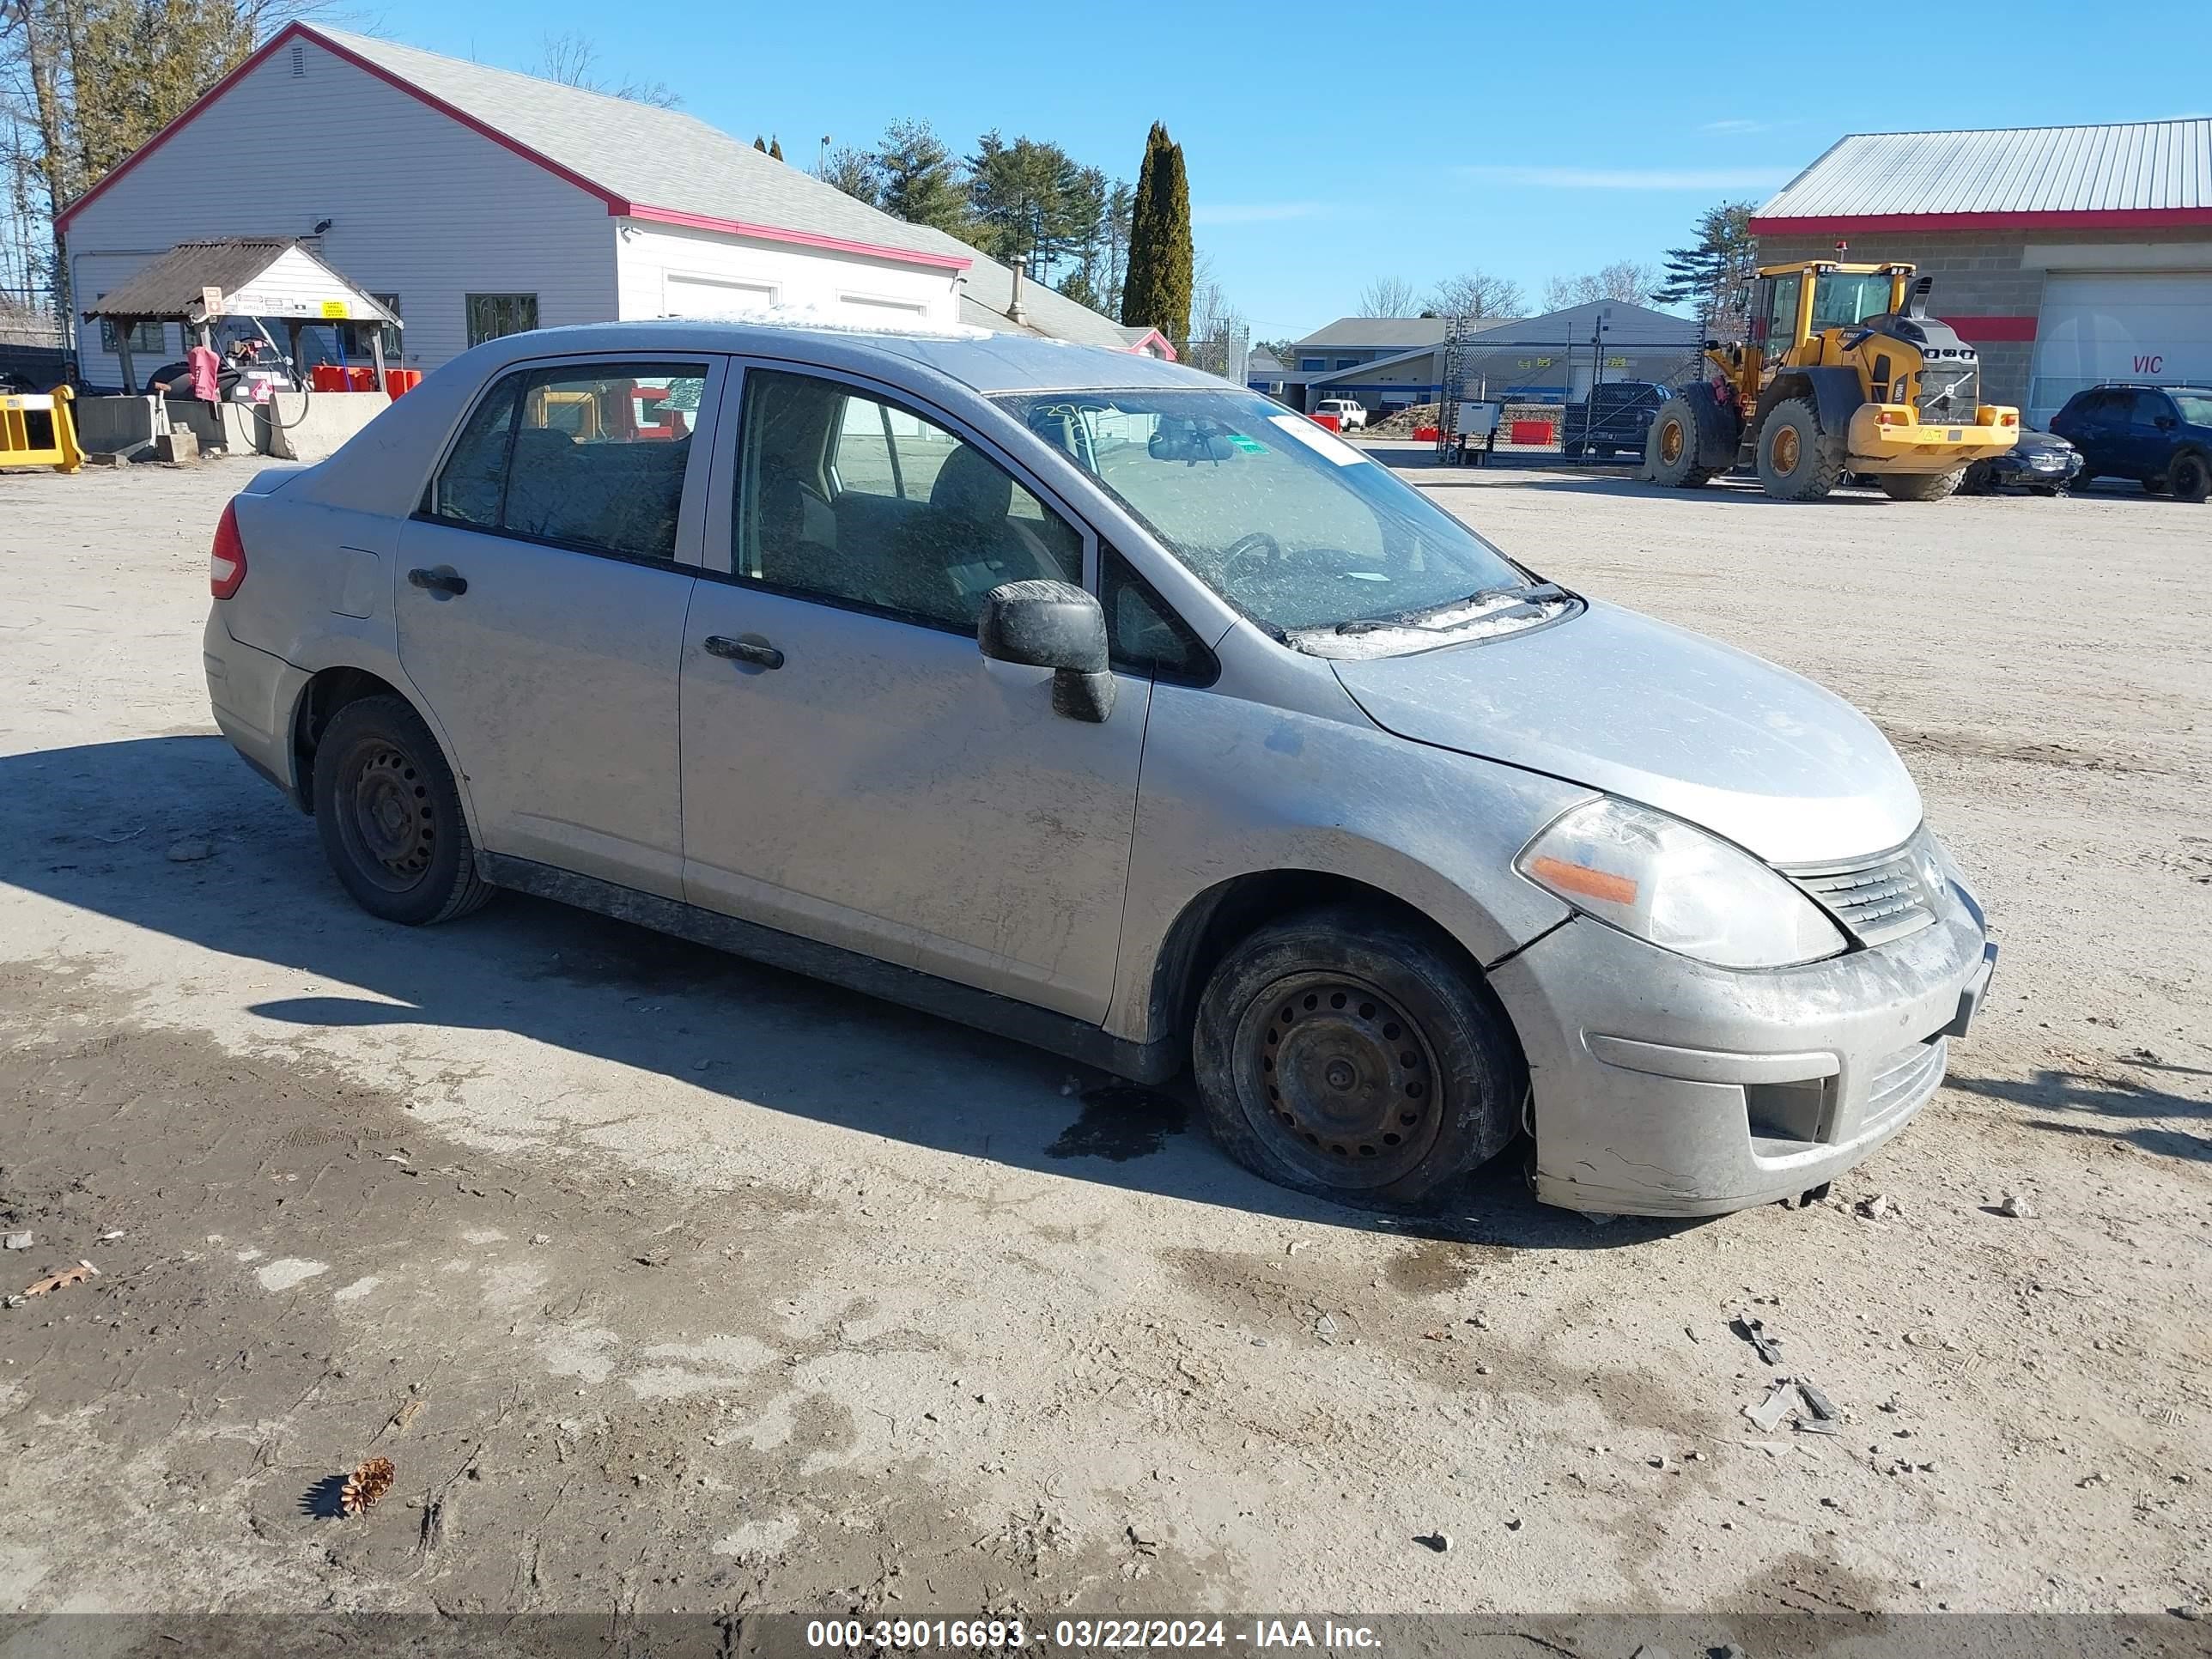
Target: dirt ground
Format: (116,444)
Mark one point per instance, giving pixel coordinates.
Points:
(671,1283)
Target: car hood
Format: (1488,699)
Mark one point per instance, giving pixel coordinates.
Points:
(1661,715)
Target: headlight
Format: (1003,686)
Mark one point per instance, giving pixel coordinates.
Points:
(1677,887)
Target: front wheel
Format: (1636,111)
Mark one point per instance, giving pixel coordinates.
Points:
(1798,460)
(1919,486)
(1356,1059)
(2190,477)
(1671,447)
(1980,479)
(390,815)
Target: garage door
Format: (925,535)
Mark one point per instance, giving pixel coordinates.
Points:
(714,297)
(2114,327)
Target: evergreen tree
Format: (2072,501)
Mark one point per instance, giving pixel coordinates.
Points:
(760,143)
(855,172)
(921,183)
(1157,291)
(1140,283)
(1026,198)
(1714,273)
(775,148)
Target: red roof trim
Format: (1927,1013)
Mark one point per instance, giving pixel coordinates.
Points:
(659,215)
(616,204)
(1992,330)
(1166,344)
(2066,219)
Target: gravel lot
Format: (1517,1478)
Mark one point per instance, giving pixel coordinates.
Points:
(671,1283)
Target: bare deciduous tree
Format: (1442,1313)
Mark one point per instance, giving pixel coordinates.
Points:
(572,58)
(1387,296)
(1477,294)
(1624,280)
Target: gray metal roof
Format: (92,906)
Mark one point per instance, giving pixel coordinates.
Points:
(2136,166)
(1392,333)
(171,286)
(993,363)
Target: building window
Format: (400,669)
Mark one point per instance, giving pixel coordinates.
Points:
(392,346)
(147,338)
(493,316)
(1308,363)
(1348,362)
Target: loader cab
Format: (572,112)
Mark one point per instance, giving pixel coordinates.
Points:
(1794,303)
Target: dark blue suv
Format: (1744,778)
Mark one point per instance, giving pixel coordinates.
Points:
(2158,435)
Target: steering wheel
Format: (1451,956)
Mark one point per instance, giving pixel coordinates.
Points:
(1259,545)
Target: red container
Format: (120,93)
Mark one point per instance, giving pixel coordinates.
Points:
(399,380)
(326,377)
(1424,434)
(1328,423)
(1532,432)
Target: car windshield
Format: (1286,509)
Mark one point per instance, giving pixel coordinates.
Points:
(2196,407)
(1293,527)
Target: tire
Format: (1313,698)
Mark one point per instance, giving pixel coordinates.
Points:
(1572,451)
(2157,486)
(2190,477)
(1979,479)
(1791,432)
(1919,486)
(390,815)
(1671,447)
(1396,1075)
(2081,481)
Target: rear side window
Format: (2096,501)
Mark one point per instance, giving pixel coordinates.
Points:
(591,457)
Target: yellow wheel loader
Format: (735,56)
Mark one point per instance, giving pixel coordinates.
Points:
(1844,372)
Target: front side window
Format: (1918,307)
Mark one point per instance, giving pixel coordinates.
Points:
(1300,531)
(850,498)
(494,316)
(591,457)
(1777,327)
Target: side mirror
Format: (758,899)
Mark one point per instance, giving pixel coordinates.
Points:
(2165,422)
(1055,625)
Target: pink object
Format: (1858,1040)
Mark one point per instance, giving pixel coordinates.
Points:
(204,366)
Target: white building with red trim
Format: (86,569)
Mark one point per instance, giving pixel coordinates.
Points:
(474,202)
(2066,255)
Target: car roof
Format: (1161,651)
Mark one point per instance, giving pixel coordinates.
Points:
(976,358)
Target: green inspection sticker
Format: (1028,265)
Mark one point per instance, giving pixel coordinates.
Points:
(1250,446)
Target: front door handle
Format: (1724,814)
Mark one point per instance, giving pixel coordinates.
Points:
(759,652)
(441,581)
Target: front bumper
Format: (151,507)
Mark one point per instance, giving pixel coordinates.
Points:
(1891,438)
(1664,1087)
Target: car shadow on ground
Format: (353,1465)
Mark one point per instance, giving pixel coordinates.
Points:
(93,826)
(2109,1108)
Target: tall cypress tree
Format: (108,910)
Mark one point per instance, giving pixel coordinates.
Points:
(1140,295)
(1176,258)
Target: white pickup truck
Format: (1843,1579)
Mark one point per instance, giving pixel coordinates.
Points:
(1351,413)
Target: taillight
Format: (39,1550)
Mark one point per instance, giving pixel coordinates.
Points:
(226,558)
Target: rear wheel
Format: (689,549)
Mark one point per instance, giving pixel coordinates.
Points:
(1918,486)
(1358,1059)
(1979,479)
(390,815)
(1797,461)
(1671,448)
(2190,477)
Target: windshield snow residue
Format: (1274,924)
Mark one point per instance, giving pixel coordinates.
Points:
(1293,527)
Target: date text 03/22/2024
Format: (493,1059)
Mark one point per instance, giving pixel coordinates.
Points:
(1103,1634)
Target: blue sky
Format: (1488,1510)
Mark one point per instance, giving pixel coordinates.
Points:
(1328,144)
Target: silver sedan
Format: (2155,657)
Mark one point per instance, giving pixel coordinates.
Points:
(1086,698)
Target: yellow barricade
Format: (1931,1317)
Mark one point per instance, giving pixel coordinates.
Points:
(36,430)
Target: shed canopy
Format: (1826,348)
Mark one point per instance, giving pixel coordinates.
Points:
(237,276)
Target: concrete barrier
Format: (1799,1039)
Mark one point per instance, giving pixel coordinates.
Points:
(116,426)
(330,418)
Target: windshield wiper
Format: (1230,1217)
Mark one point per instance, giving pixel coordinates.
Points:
(1530,594)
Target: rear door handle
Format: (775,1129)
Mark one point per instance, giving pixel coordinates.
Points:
(439,581)
(759,652)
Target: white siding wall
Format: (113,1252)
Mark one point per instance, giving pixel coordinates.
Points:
(421,206)
(668,271)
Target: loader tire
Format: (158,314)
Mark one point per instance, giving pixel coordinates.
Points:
(1671,447)
(1919,486)
(1797,461)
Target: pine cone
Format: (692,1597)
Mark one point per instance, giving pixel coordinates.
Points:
(366,1485)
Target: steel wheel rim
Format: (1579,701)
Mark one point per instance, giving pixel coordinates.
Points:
(1338,1081)
(1785,450)
(386,815)
(1670,442)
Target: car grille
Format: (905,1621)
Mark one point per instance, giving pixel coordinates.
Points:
(1876,899)
(1949,393)
(1903,1080)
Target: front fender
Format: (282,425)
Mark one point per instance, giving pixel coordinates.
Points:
(1233,788)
